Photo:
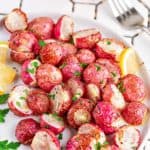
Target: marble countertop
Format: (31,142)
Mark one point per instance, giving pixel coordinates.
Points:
(94,9)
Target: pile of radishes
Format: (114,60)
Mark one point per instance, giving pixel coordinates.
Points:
(72,78)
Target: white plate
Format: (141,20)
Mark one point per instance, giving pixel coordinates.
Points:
(7,129)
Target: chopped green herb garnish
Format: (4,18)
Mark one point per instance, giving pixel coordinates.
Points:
(22,98)
(97,146)
(60,136)
(6,145)
(3,98)
(62,66)
(26,91)
(51,96)
(108,42)
(42,43)
(77,74)
(76,96)
(3,113)
(32,71)
(18,103)
(56,117)
(105,143)
(113,74)
(35,64)
(83,65)
(102,81)
(120,87)
(97,67)
(71,40)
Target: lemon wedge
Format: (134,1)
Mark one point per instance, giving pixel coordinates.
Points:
(3,51)
(128,62)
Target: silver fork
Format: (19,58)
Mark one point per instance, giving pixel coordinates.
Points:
(126,14)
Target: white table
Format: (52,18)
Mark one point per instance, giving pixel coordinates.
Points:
(94,9)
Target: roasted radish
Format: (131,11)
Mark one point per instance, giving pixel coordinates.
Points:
(60,98)
(86,38)
(44,139)
(17,101)
(64,28)
(26,130)
(53,122)
(28,71)
(16,20)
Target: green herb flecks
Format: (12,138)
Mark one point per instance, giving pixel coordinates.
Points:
(51,96)
(42,43)
(98,145)
(3,98)
(77,73)
(108,42)
(62,66)
(6,145)
(60,136)
(32,71)
(18,103)
(22,98)
(3,113)
(35,64)
(97,67)
(121,87)
(113,74)
(75,97)
(83,65)
(55,115)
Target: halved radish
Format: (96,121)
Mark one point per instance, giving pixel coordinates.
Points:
(44,139)
(53,122)
(17,101)
(64,28)
(86,38)
(16,20)
(94,131)
(112,94)
(127,138)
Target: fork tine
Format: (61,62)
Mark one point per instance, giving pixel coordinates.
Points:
(113,7)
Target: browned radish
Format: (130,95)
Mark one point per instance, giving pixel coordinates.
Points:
(64,28)
(86,38)
(53,122)
(16,20)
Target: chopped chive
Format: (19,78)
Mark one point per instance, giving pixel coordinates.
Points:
(18,104)
(63,65)
(113,74)
(60,136)
(97,67)
(42,43)
(3,98)
(108,42)
(51,96)
(120,87)
(22,98)
(83,65)
(35,64)
(31,71)
(75,97)
(77,73)
(55,115)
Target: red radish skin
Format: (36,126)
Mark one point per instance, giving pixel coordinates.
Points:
(112,94)
(109,48)
(48,76)
(42,27)
(16,20)
(28,72)
(60,98)
(135,113)
(85,56)
(127,137)
(70,67)
(51,53)
(17,101)
(96,73)
(38,101)
(92,91)
(113,68)
(64,27)
(26,129)
(133,88)
(86,38)
(53,122)
(76,87)
(44,139)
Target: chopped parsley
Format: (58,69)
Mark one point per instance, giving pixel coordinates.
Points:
(77,73)
(18,103)
(22,98)
(3,98)
(98,145)
(113,74)
(51,96)
(76,96)
(32,71)
(55,115)
(108,42)
(42,43)
(97,67)
(63,65)
(6,145)
(35,64)
(83,65)
(60,136)
(120,87)
(3,113)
